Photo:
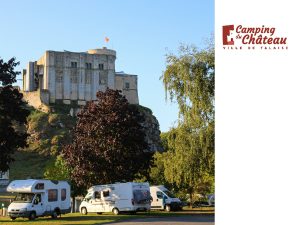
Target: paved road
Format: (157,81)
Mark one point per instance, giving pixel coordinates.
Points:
(174,220)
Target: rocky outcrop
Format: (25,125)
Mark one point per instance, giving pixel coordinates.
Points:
(151,127)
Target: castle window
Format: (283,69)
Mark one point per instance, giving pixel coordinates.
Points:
(88,77)
(74,77)
(127,85)
(59,76)
(101,66)
(73,64)
(88,66)
(102,78)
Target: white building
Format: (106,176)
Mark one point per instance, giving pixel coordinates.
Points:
(75,77)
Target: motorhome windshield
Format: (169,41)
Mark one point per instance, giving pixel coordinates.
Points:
(88,196)
(169,194)
(24,197)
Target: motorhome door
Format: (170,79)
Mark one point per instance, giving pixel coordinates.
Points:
(38,204)
(107,199)
(64,203)
(158,199)
(97,202)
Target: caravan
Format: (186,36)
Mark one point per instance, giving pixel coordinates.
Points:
(39,198)
(116,198)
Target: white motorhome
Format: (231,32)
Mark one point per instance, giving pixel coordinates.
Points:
(116,198)
(163,199)
(37,198)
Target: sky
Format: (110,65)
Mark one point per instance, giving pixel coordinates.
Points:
(141,31)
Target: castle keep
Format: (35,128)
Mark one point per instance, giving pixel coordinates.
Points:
(75,77)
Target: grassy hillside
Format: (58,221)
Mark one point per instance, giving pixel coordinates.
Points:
(28,165)
(48,133)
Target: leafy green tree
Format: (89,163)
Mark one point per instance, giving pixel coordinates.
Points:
(109,142)
(58,170)
(157,172)
(184,163)
(189,80)
(12,114)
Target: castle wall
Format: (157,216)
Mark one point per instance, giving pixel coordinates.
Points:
(128,85)
(37,99)
(78,76)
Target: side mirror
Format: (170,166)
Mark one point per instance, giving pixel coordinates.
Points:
(35,202)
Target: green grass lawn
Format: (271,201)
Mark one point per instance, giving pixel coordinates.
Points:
(91,218)
(71,218)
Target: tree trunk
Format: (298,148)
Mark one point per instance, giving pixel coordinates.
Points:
(191,192)
(73,204)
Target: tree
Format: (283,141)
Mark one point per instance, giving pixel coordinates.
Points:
(109,142)
(58,170)
(184,162)
(157,172)
(13,114)
(189,80)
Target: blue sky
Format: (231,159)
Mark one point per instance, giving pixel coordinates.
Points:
(141,32)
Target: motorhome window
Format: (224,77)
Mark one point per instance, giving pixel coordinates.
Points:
(141,196)
(169,194)
(97,194)
(63,194)
(40,186)
(88,196)
(38,199)
(52,195)
(105,193)
(159,194)
(24,197)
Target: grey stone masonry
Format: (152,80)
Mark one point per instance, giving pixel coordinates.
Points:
(67,77)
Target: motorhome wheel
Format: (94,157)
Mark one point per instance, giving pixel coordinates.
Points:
(83,211)
(13,218)
(54,215)
(116,211)
(32,216)
(168,208)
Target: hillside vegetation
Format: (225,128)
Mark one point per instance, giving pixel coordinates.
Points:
(50,131)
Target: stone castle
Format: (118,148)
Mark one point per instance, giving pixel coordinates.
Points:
(75,78)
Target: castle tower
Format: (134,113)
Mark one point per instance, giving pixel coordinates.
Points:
(75,77)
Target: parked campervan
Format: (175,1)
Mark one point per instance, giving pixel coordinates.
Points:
(162,198)
(116,198)
(37,198)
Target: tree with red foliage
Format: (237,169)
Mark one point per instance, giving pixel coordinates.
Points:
(108,143)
